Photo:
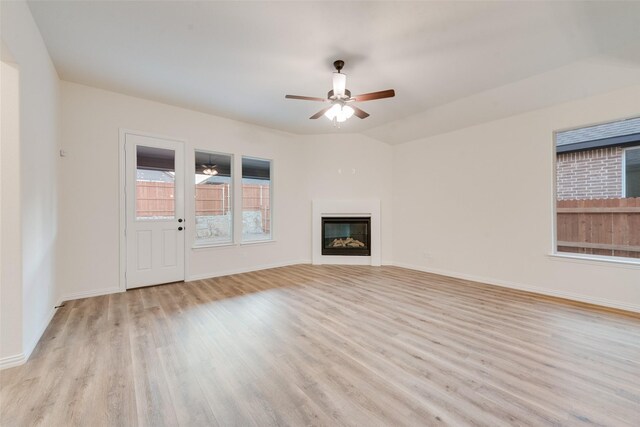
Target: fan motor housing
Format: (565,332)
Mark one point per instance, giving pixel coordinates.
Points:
(347,94)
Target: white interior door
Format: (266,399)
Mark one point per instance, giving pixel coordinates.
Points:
(154,211)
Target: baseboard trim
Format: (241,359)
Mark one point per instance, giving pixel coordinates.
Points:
(12,361)
(69,297)
(19,359)
(32,345)
(246,270)
(603,302)
(89,294)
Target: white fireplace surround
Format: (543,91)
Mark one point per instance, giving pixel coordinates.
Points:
(345,208)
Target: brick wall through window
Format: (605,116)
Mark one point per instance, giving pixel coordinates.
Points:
(590,174)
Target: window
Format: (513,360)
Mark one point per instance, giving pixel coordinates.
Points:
(598,190)
(213,198)
(256,199)
(155,183)
(632,172)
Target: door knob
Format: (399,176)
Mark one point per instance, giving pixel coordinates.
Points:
(179,219)
(179,228)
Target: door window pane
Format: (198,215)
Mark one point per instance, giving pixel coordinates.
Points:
(155,183)
(256,199)
(214,202)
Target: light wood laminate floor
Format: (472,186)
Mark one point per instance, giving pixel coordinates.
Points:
(328,345)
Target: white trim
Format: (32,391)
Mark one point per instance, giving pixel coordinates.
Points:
(32,345)
(21,358)
(122,206)
(623,172)
(246,270)
(257,241)
(93,293)
(554,193)
(34,342)
(599,260)
(534,289)
(347,260)
(214,245)
(12,361)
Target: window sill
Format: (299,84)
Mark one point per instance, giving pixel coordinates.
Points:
(596,259)
(213,245)
(257,242)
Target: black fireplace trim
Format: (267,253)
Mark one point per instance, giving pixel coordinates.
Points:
(347,251)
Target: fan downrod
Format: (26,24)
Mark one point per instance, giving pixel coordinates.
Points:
(338,64)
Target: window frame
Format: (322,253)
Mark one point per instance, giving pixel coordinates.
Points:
(232,203)
(271,198)
(623,262)
(624,167)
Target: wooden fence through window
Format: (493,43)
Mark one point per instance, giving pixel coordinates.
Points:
(212,199)
(599,227)
(155,199)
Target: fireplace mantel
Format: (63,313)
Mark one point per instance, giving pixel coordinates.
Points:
(345,208)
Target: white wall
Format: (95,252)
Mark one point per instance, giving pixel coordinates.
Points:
(304,168)
(353,166)
(10,231)
(477,203)
(39,107)
(91,121)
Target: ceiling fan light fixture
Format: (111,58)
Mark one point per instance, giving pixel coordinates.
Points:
(210,171)
(339,84)
(332,112)
(339,113)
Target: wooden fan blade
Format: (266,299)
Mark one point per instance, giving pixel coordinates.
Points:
(359,112)
(321,112)
(305,98)
(389,93)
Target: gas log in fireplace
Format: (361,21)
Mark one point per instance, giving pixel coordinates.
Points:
(346,236)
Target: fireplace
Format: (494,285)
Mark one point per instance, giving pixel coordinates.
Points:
(346,236)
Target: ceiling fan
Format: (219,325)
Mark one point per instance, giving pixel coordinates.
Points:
(209,170)
(340,98)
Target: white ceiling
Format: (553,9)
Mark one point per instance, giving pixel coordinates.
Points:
(239,59)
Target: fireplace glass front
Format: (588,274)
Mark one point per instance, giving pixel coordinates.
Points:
(346,236)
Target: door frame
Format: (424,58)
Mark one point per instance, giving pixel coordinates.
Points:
(122,205)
